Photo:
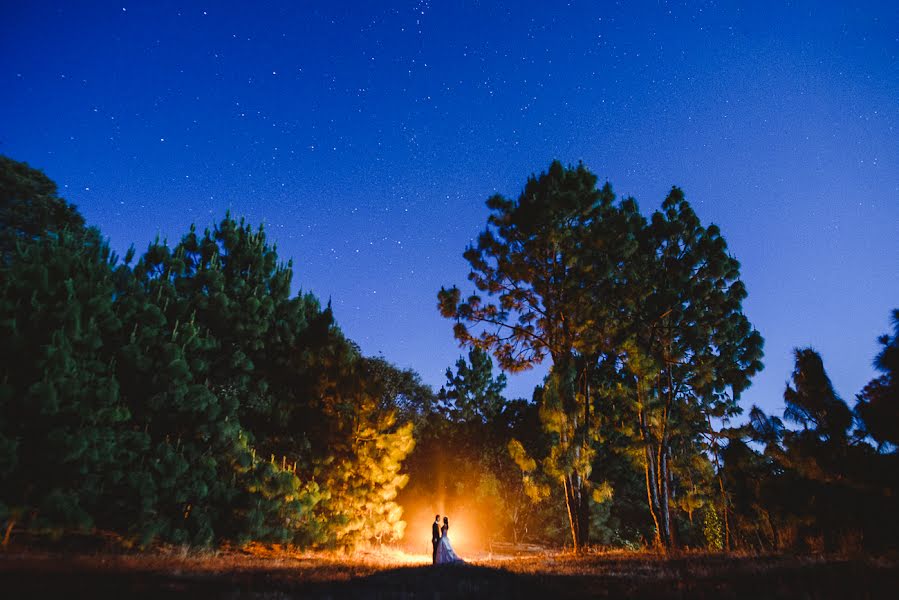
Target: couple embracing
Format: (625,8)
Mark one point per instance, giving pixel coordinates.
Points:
(443,551)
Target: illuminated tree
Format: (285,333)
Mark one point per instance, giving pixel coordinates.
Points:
(185,375)
(159,394)
(360,467)
(691,351)
(290,387)
(527,263)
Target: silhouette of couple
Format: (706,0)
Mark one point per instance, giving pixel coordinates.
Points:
(443,551)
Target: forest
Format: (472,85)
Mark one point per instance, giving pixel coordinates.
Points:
(184,394)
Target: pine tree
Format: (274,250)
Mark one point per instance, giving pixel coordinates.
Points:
(878,404)
(30,208)
(691,351)
(812,402)
(62,421)
(813,487)
(159,395)
(472,393)
(361,462)
(524,259)
(218,300)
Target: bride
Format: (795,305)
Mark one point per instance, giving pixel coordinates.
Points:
(445,553)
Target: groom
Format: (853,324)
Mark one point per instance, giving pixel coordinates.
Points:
(435,537)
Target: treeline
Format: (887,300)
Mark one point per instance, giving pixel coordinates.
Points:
(183,395)
(631,437)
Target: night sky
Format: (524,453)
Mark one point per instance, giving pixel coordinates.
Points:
(367,138)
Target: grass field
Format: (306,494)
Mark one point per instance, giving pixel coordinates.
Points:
(275,574)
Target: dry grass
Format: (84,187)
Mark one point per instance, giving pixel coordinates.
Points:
(273,572)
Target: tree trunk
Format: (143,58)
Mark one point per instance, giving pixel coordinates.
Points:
(578,518)
(657,484)
(726,515)
(664,471)
(9,525)
(566,482)
(652,492)
(714,438)
(577,500)
(584,519)
(664,493)
(583,511)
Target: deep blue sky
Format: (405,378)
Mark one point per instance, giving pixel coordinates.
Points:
(367,137)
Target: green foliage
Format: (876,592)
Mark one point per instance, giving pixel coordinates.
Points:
(191,397)
(30,208)
(153,393)
(689,350)
(642,320)
(61,411)
(528,261)
(712,529)
(472,392)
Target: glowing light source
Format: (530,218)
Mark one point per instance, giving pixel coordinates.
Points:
(467,534)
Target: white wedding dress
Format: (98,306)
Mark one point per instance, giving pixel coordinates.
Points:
(445,553)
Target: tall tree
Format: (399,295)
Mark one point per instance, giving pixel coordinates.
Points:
(202,481)
(159,395)
(878,403)
(814,487)
(280,365)
(691,351)
(63,436)
(525,261)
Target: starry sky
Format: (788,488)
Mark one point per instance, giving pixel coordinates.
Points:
(368,135)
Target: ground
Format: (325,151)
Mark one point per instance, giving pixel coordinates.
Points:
(277,573)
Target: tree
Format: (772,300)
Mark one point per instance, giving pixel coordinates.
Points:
(812,402)
(751,483)
(691,350)
(402,390)
(526,261)
(878,403)
(472,393)
(64,440)
(365,449)
(814,487)
(202,480)
(819,453)
(287,383)
(30,207)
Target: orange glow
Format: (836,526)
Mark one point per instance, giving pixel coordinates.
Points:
(456,489)
(467,535)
